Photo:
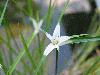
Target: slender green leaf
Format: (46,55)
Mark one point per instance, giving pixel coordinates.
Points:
(22,52)
(19,9)
(29,7)
(2,62)
(63,10)
(27,50)
(39,65)
(89,47)
(81,38)
(93,67)
(48,16)
(97,71)
(2,15)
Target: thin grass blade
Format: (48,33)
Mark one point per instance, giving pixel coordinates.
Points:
(22,52)
(27,51)
(2,15)
(39,65)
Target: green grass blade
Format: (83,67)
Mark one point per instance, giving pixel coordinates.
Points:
(82,39)
(10,32)
(27,51)
(63,10)
(88,47)
(7,44)
(9,47)
(29,7)
(16,62)
(10,50)
(39,65)
(2,15)
(48,16)
(93,67)
(2,62)
(19,9)
(13,66)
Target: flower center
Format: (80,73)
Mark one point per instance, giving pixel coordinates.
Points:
(55,41)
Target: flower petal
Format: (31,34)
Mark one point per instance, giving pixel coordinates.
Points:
(0,66)
(48,49)
(49,36)
(56,32)
(63,39)
(34,23)
(40,23)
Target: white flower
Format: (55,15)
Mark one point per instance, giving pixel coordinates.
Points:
(0,66)
(56,40)
(37,25)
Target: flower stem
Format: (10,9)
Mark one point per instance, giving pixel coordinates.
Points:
(56,62)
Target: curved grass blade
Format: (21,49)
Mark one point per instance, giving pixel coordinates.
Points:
(9,47)
(13,66)
(93,67)
(27,51)
(2,15)
(79,39)
(63,10)
(4,68)
(39,65)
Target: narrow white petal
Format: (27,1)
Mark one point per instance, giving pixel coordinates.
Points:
(40,23)
(34,23)
(48,49)
(58,48)
(63,39)
(57,31)
(0,66)
(49,36)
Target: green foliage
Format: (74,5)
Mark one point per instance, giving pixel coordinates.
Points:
(13,66)
(88,43)
(2,15)
(82,38)
(27,51)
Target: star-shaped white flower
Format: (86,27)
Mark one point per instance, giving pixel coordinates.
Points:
(37,25)
(56,40)
(0,66)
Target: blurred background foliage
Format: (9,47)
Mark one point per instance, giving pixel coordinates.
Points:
(86,56)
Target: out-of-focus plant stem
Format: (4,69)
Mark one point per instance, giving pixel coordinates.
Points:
(30,7)
(2,15)
(27,50)
(39,65)
(63,10)
(13,66)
